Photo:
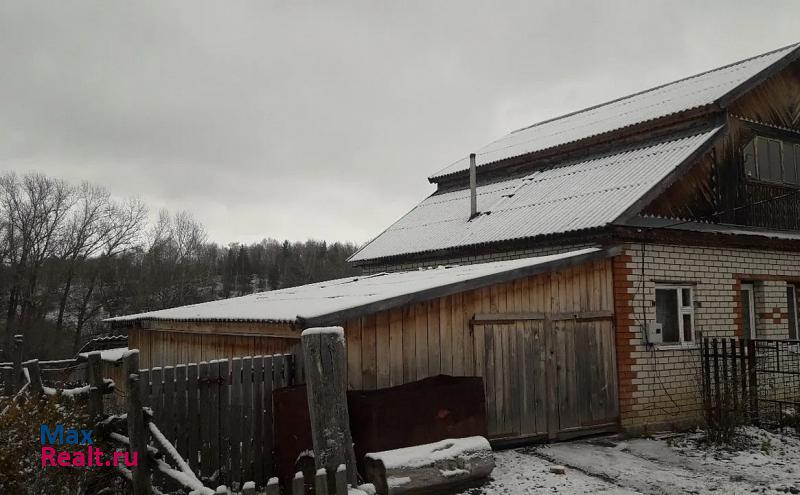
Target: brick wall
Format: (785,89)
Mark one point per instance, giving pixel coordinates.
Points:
(472,259)
(658,385)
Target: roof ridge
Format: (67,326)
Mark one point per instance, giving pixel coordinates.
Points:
(655,88)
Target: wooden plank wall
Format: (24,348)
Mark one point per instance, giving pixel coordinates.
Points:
(171,343)
(434,337)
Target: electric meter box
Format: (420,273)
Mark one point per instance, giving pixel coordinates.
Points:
(654,333)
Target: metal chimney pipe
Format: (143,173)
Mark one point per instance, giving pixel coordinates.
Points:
(473,185)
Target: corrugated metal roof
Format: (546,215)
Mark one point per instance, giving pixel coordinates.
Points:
(580,195)
(686,94)
(325,298)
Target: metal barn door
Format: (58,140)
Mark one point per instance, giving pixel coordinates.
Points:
(548,377)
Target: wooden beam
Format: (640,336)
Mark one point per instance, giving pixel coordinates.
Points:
(583,315)
(326,389)
(487,318)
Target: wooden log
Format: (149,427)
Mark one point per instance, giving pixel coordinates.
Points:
(96,385)
(35,376)
(326,385)
(445,466)
(137,430)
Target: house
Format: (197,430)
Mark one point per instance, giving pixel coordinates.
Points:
(573,264)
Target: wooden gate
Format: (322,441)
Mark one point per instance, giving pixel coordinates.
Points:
(547,376)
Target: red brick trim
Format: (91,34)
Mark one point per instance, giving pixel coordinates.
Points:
(623,308)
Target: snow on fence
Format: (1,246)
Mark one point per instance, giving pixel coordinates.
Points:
(219,414)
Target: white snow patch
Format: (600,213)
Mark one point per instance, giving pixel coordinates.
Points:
(109,355)
(765,462)
(395,481)
(428,454)
(323,331)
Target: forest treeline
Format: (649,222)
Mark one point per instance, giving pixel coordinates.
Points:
(72,255)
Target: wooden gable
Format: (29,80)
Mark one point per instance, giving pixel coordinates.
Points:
(717,189)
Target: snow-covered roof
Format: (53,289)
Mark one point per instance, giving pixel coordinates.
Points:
(693,92)
(580,195)
(353,296)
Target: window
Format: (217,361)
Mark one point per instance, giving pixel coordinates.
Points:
(675,313)
(791,297)
(772,160)
(748,311)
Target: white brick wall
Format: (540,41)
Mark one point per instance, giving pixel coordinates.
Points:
(665,381)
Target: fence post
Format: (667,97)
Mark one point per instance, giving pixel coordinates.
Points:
(19,378)
(753,385)
(326,387)
(137,430)
(298,484)
(321,482)
(35,375)
(96,385)
(8,381)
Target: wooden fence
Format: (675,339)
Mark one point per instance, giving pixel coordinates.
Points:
(219,415)
(750,381)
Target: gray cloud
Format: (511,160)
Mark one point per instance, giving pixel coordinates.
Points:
(322,119)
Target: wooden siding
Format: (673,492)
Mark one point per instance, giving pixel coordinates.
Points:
(440,337)
(717,189)
(171,343)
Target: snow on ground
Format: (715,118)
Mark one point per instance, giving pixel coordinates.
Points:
(764,462)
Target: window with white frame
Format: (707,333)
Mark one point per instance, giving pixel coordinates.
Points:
(675,313)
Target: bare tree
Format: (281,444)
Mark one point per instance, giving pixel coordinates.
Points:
(84,235)
(119,229)
(34,208)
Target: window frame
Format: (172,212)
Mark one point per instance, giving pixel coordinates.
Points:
(751,302)
(682,310)
(790,145)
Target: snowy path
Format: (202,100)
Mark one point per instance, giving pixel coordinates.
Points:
(767,463)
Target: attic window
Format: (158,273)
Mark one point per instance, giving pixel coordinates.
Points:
(772,160)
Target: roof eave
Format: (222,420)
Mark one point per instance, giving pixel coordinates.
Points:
(340,317)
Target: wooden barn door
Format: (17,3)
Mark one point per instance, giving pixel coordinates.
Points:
(550,376)
(584,376)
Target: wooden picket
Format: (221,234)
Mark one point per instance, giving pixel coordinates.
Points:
(219,414)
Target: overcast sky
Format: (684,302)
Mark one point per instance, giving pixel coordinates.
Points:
(323,119)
